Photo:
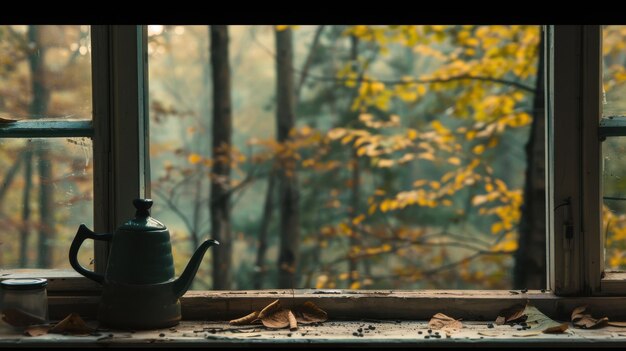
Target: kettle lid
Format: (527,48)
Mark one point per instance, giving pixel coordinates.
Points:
(142,221)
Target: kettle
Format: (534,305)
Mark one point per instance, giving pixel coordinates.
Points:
(139,289)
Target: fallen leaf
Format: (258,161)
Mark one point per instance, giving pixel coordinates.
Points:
(512,314)
(561,328)
(19,318)
(248,319)
(309,313)
(274,316)
(528,333)
(278,319)
(489,333)
(617,324)
(583,320)
(539,322)
(269,309)
(72,324)
(36,330)
(441,321)
(293,324)
(7,120)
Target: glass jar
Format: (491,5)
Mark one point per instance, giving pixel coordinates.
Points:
(25,295)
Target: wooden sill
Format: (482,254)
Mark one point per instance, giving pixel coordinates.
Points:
(332,333)
(70,292)
(358,304)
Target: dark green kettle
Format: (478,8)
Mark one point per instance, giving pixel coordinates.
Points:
(139,289)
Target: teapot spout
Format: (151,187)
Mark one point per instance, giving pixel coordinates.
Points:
(182,284)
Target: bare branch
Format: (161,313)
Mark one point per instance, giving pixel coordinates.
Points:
(309,59)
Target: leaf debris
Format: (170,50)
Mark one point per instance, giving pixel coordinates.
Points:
(275,316)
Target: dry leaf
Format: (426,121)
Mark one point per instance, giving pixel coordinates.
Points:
(72,324)
(561,328)
(278,319)
(293,324)
(274,316)
(37,330)
(540,323)
(309,313)
(245,320)
(7,120)
(441,321)
(19,318)
(528,333)
(583,320)
(512,314)
(269,309)
(617,324)
(489,333)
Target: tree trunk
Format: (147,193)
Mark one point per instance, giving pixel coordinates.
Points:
(530,258)
(288,182)
(220,173)
(355,181)
(38,109)
(268,208)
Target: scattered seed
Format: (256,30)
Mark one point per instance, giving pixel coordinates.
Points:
(289,335)
(523,324)
(355,334)
(161,335)
(448,336)
(430,331)
(490,325)
(371,327)
(427,337)
(110,335)
(419,332)
(360,330)
(543,290)
(524,291)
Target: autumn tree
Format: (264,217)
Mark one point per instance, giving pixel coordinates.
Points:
(220,172)
(288,184)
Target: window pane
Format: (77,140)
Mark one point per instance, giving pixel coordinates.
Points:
(407,154)
(45,72)
(46,192)
(614,210)
(614,70)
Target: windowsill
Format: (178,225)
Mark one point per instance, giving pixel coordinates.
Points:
(69,292)
(396,315)
(338,333)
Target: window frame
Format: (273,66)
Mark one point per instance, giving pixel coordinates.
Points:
(573,78)
(119,130)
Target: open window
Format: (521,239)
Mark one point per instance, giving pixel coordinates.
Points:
(121,136)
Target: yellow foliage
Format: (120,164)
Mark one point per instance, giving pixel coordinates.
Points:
(478,149)
(454,160)
(194,159)
(358,219)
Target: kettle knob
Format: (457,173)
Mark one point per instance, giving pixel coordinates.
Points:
(143,207)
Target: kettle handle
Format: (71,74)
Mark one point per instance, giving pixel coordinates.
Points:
(82,234)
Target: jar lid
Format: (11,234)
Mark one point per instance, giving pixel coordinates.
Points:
(23,283)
